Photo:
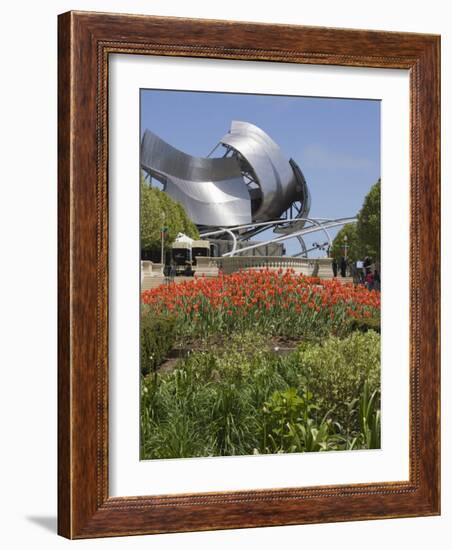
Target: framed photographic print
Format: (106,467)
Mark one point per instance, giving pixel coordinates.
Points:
(248,275)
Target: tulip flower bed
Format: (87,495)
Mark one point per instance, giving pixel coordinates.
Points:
(269,302)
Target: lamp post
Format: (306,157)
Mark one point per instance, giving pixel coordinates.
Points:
(162,252)
(345,246)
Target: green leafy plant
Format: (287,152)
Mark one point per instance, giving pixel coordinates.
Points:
(281,415)
(157,337)
(370,417)
(335,371)
(364,325)
(290,427)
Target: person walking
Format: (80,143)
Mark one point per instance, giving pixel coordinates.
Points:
(377,281)
(369,280)
(334,266)
(343,267)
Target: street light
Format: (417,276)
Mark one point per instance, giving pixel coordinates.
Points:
(345,246)
(163,239)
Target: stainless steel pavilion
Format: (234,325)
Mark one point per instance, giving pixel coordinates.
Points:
(253,187)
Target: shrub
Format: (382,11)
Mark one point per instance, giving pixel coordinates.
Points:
(335,372)
(289,426)
(157,337)
(364,325)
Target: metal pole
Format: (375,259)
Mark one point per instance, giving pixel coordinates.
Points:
(163,238)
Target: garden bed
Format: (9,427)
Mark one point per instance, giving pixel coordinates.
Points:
(259,362)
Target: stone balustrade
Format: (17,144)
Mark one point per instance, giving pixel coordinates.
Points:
(149,272)
(206,267)
(320,267)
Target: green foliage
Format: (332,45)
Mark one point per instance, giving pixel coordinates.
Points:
(363,238)
(353,245)
(157,210)
(283,413)
(157,337)
(370,417)
(368,225)
(335,372)
(245,399)
(289,425)
(364,325)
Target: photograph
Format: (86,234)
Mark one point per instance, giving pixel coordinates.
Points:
(261,274)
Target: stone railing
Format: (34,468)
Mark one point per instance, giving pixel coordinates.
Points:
(206,267)
(324,268)
(149,273)
(306,266)
(151,269)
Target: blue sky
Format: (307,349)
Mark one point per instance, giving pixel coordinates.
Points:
(336,142)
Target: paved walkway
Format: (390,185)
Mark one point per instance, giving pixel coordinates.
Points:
(153,282)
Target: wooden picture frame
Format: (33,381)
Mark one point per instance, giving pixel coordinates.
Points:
(86,40)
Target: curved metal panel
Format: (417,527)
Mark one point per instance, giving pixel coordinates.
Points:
(212,191)
(278,183)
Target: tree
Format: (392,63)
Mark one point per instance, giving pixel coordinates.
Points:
(363,237)
(157,210)
(368,225)
(353,249)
